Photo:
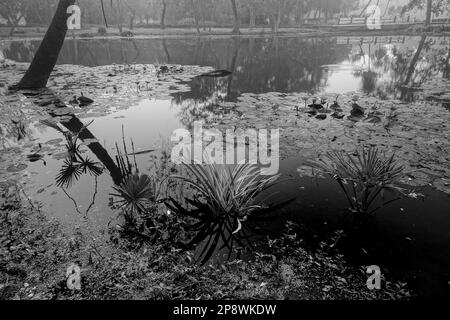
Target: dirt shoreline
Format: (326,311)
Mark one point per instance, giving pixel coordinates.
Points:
(30,33)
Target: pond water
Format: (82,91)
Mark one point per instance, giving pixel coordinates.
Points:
(412,239)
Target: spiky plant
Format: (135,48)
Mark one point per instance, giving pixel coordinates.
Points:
(225,197)
(364,176)
(228,190)
(135,194)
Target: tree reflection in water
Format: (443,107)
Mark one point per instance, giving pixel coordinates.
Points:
(261,65)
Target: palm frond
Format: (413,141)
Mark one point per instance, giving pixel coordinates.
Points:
(135,194)
(69,172)
(91,167)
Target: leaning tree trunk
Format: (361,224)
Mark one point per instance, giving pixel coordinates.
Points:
(405,90)
(236,17)
(412,66)
(194,6)
(365,8)
(45,58)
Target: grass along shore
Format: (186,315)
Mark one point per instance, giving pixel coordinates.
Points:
(35,254)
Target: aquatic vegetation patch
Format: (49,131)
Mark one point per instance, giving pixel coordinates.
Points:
(105,88)
(108,88)
(416,131)
(364,176)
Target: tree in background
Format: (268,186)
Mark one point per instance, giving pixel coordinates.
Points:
(437,7)
(14,11)
(163,13)
(200,13)
(237,23)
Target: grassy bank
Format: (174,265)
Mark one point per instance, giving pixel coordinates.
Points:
(35,254)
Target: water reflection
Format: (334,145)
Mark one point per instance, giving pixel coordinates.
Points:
(259,65)
(75,163)
(382,66)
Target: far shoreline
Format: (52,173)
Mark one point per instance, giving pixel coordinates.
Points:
(91,33)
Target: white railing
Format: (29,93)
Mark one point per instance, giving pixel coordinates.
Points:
(371,40)
(385,21)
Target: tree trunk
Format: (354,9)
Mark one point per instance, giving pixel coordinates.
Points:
(47,55)
(387,8)
(365,8)
(163,14)
(252,17)
(132,17)
(429,6)
(446,73)
(278,21)
(203,18)
(12,21)
(237,44)
(414,60)
(300,15)
(119,18)
(236,17)
(104,14)
(11,31)
(194,6)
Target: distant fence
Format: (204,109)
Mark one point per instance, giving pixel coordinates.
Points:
(371,40)
(441,21)
(357,21)
(384,21)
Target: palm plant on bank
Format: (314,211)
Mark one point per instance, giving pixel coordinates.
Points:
(138,196)
(364,176)
(225,196)
(135,194)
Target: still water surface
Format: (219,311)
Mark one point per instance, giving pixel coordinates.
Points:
(413,237)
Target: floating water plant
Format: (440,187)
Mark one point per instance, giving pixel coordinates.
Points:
(364,176)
